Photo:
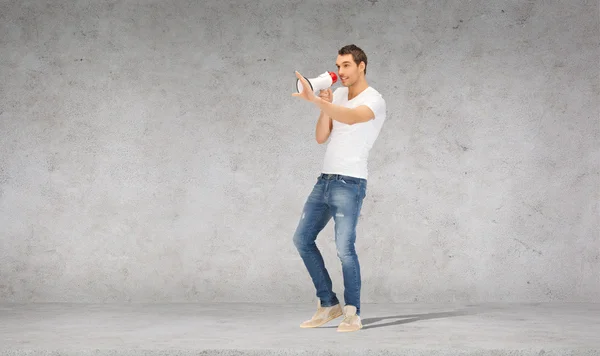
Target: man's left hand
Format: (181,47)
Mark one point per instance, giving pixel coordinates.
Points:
(306,94)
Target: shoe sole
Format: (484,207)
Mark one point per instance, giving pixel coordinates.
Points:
(348,331)
(323,323)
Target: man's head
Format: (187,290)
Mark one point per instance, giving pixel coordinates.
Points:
(352,64)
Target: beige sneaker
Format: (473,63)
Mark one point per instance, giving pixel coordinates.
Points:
(351,321)
(323,316)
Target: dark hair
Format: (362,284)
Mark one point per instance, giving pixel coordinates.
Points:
(357,54)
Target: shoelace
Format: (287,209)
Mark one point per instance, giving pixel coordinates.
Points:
(348,319)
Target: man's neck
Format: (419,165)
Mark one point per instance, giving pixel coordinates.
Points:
(357,88)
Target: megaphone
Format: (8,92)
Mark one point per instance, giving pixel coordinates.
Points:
(319,83)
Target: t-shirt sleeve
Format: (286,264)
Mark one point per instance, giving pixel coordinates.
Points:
(335,95)
(376,103)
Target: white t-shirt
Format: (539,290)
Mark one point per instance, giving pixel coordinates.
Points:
(349,145)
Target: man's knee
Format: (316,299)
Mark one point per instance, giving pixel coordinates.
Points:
(302,240)
(298,242)
(345,250)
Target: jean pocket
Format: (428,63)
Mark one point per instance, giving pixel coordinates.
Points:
(349,181)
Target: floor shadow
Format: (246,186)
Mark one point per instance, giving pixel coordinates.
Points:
(371,323)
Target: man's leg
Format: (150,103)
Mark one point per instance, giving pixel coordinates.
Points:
(315,216)
(346,199)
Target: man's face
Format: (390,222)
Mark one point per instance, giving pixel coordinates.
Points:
(348,71)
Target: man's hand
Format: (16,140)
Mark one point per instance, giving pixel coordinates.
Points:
(326,94)
(306,94)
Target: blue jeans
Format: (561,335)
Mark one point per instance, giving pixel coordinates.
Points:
(340,197)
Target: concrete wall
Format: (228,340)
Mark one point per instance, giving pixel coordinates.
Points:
(151,151)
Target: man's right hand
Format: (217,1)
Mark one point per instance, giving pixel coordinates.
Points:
(326,94)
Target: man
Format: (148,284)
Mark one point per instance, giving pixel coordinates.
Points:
(351,119)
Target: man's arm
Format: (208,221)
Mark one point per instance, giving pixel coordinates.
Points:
(323,128)
(343,114)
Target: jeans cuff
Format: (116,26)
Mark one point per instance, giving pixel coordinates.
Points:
(330,304)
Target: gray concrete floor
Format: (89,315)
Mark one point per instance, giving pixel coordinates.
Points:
(244,329)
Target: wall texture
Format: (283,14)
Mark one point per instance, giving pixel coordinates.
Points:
(151,151)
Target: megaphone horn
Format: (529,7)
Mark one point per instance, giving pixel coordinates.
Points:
(319,83)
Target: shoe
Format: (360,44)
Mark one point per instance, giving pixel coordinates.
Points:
(351,321)
(323,316)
